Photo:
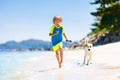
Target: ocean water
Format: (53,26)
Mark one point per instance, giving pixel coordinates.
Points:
(10,61)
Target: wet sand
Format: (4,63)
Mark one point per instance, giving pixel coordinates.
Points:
(106,66)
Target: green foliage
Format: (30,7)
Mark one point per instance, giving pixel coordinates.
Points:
(98,31)
(109,16)
(104,2)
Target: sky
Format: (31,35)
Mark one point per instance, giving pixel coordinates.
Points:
(32,19)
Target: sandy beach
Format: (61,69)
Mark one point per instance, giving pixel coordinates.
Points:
(106,65)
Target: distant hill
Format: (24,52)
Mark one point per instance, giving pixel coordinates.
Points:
(30,43)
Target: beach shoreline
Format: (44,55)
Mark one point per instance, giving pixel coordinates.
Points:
(105,65)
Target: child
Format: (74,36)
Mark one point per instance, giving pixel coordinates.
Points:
(56,32)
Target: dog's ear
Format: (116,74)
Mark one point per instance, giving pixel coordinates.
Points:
(86,45)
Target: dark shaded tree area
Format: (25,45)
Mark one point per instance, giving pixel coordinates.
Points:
(107,16)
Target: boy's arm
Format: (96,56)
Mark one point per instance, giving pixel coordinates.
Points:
(66,38)
(51,31)
(50,34)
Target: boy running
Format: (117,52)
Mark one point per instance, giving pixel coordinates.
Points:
(56,32)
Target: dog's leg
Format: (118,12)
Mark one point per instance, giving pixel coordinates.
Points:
(88,60)
(91,59)
(84,59)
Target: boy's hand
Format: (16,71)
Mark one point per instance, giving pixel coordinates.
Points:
(57,33)
(68,40)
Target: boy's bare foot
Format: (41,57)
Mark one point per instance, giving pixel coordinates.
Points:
(60,65)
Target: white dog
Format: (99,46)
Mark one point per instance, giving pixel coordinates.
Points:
(88,54)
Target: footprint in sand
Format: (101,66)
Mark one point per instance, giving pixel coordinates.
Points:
(111,67)
(118,77)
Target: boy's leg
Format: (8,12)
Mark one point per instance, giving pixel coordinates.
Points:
(61,55)
(58,58)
